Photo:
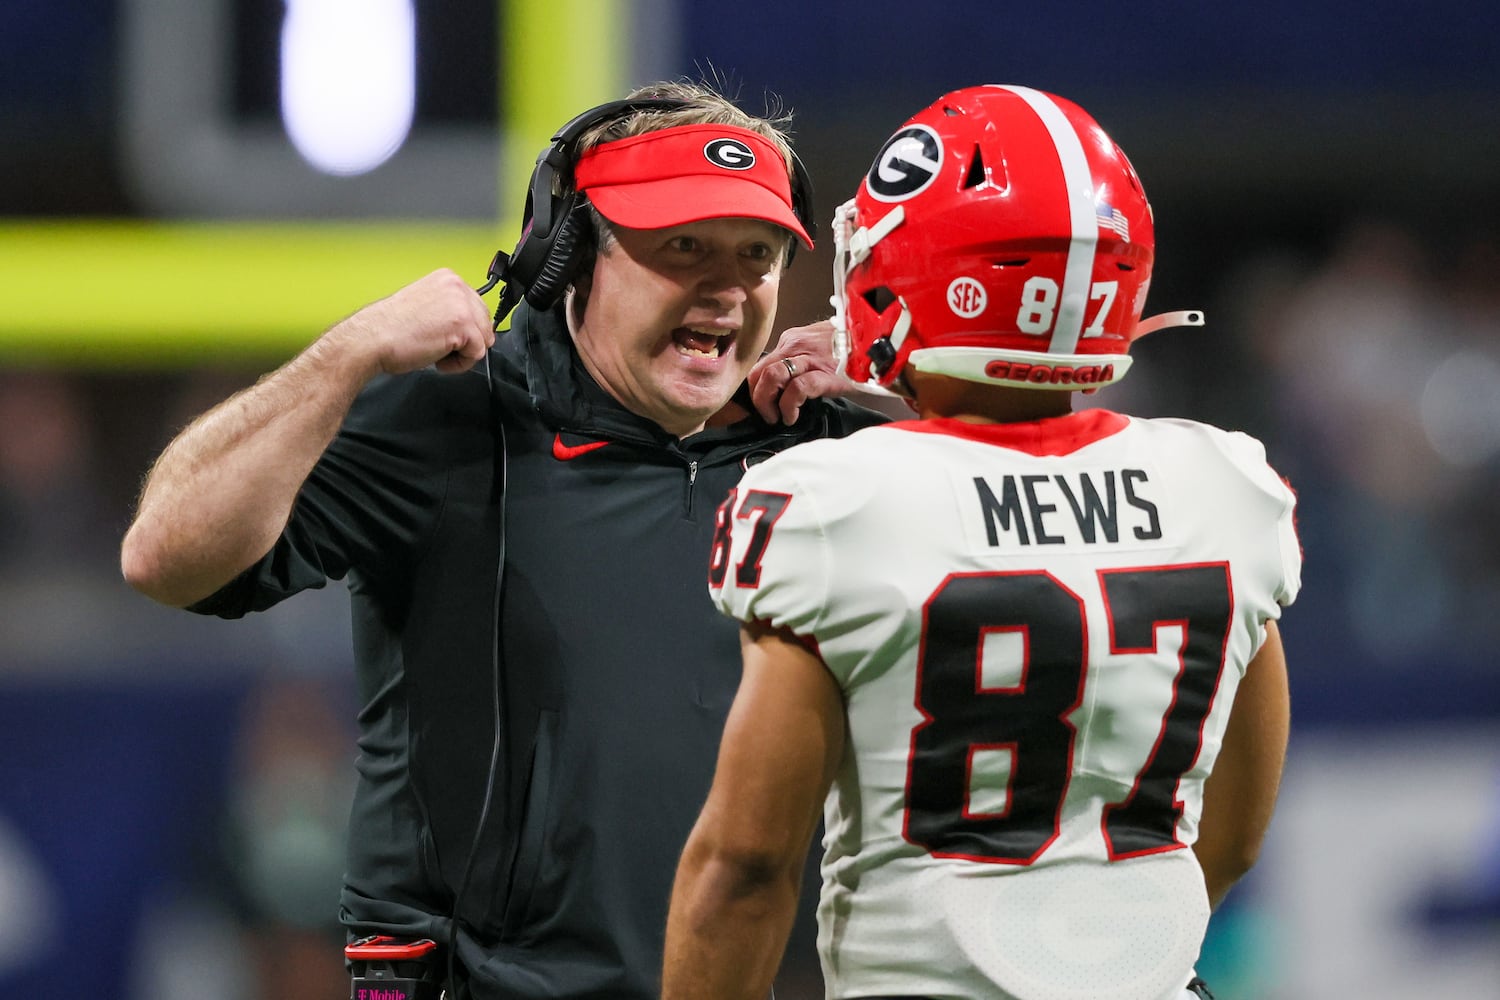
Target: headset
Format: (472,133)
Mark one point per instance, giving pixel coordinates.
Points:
(555,225)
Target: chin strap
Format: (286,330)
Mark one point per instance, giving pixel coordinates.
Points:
(1188,317)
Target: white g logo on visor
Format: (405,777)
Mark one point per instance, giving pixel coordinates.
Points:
(731,154)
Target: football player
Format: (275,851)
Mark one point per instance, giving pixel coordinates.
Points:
(1024,657)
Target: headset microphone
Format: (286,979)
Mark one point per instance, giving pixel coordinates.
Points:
(510,295)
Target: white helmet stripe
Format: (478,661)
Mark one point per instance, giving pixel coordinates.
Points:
(1079,181)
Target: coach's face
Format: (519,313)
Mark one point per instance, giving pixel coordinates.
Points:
(676,317)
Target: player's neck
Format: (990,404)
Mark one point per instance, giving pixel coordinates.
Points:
(939,396)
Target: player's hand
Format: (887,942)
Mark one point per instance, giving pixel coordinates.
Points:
(799,368)
(436,320)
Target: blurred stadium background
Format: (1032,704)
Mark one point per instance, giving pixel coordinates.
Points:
(1325,184)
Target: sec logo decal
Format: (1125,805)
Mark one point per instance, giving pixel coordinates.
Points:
(966,297)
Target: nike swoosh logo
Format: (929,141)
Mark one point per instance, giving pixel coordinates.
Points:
(568,452)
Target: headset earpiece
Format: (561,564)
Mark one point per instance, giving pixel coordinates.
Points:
(558,269)
(553,224)
(802,205)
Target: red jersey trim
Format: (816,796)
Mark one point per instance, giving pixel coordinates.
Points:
(1053,436)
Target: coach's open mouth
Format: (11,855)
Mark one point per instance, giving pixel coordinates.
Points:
(703,342)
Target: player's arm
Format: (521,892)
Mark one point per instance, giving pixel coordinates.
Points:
(735,897)
(1240,793)
(219,495)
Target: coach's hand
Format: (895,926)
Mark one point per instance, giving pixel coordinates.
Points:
(436,320)
(800,367)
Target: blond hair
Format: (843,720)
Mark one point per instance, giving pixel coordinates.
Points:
(703,106)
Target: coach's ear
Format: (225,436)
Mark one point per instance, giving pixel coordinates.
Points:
(578,300)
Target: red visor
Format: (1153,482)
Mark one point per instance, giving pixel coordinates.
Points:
(687,174)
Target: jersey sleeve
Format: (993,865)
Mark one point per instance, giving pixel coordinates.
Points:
(1249,455)
(770,559)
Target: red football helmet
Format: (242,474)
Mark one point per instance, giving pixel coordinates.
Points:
(1000,236)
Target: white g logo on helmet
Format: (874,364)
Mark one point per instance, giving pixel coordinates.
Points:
(905,166)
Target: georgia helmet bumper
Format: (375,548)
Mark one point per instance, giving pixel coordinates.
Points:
(1002,237)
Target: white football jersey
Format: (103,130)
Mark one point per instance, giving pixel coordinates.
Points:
(1039,630)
